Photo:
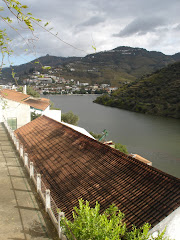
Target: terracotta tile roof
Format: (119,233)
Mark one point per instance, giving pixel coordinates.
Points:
(40,104)
(14,95)
(74,166)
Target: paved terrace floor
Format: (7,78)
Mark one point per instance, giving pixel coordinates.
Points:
(22,214)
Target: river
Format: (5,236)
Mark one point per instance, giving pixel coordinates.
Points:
(155,138)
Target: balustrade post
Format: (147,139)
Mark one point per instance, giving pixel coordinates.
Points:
(60,230)
(26,159)
(10,131)
(14,140)
(21,151)
(38,182)
(17,144)
(48,199)
(12,134)
(31,170)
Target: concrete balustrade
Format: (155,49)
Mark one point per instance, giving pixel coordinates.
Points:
(38,183)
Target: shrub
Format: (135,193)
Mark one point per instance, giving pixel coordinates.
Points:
(70,117)
(89,224)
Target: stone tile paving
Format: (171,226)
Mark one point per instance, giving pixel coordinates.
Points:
(22,214)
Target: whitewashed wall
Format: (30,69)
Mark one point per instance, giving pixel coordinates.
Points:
(172,225)
(12,109)
(54,114)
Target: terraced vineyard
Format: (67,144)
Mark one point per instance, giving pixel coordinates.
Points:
(157,94)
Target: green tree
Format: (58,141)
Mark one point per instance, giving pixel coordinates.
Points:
(89,224)
(121,148)
(32,92)
(96,135)
(34,115)
(70,117)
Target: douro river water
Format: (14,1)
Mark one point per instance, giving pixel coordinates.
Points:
(152,137)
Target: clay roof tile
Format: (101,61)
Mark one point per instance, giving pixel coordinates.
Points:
(74,166)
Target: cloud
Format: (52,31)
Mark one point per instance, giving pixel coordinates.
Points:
(177,28)
(92,21)
(141,26)
(143,23)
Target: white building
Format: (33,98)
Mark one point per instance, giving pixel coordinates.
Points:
(16,108)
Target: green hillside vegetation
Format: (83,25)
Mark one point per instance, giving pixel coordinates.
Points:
(116,67)
(157,94)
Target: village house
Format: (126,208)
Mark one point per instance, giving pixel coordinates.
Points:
(16,108)
(74,166)
(13,107)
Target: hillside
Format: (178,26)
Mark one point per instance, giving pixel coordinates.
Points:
(157,94)
(24,69)
(122,64)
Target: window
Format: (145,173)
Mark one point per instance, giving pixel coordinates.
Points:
(12,122)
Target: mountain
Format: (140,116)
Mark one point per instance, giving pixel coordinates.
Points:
(24,69)
(119,65)
(134,61)
(176,57)
(157,94)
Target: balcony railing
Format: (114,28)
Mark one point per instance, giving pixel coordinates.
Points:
(51,208)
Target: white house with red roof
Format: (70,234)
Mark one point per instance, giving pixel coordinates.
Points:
(16,108)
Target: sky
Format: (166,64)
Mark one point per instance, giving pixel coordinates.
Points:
(103,24)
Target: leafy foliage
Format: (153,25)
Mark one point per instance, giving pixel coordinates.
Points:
(96,135)
(156,94)
(121,148)
(34,115)
(89,224)
(17,10)
(70,118)
(30,91)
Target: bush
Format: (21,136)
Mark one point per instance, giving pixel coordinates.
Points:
(34,115)
(121,148)
(89,224)
(70,118)
(96,135)
(32,92)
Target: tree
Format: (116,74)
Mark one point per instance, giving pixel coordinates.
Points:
(70,117)
(89,224)
(121,148)
(18,10)
(30,91)
(97,136)
(34,115)
(25,20)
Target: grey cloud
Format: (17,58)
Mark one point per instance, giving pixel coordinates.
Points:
(141,26)
(76,21)
(177,28)
(92,21)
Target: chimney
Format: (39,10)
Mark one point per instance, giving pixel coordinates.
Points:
(24,89)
